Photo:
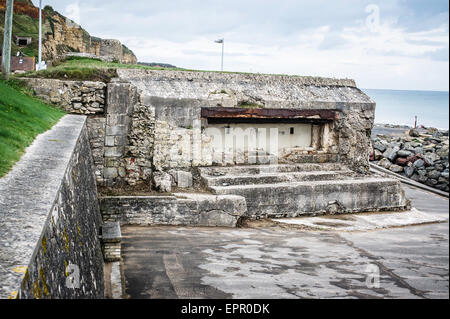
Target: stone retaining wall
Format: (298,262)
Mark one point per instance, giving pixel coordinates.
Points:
(76,97)
(50,219)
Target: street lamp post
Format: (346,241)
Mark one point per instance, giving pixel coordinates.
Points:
(40,37)
(222,41)
(6,52)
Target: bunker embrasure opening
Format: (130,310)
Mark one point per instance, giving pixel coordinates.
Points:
(257,136)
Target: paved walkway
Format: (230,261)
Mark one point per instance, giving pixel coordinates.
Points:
(174,262)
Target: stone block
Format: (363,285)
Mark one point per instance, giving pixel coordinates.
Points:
(180,209)
(110,173)
(162,182)
(116,130)
(114,151)
(183,179)
(111,232)
(120,140)
(110,141)
(117,119)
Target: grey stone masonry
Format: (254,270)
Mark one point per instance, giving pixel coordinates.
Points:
(180,209)
(76,97)
(50,219)
(148,121)
(111,240)
(178,98)
(96,129)
(121,101)
(129,136)
(305,189)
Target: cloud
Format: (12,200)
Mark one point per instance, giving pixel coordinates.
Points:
(394,41)
(408,50)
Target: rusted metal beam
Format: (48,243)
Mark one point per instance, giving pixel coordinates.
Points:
(262,113)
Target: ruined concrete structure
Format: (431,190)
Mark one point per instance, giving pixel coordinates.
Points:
(219,148)
(286,145)
(318,120)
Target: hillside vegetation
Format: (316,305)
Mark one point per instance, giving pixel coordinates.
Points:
(59,37)
(22,118)
(85,69)
(25,23)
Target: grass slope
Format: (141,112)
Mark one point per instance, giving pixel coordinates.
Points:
(85,69)
(22,118)
(23,25)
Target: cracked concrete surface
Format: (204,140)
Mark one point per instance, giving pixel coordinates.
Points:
(175,262)
(364,221)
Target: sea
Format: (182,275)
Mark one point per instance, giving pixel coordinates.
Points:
(401,107)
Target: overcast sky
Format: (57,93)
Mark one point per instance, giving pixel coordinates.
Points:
(385,44)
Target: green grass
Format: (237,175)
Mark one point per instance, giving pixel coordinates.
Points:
(24,26)
(22,118)
(87,69)
(83,69)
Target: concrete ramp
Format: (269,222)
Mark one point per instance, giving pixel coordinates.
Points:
(305,189)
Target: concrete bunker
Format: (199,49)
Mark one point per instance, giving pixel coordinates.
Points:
(307,140)
(160,133)
(22,41)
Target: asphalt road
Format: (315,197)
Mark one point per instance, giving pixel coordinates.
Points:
(272,263)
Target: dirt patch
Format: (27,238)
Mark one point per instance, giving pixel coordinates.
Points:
(144,189)
(340,217)
(329,224)
(271,224)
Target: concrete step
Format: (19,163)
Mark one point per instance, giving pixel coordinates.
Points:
(267,169)
(261,159)
(275,178)
(319,197)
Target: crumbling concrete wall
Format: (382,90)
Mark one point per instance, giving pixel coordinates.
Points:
(112,48)
(96,126)
(151,120)
(50,219)
(175,137)
(183,209)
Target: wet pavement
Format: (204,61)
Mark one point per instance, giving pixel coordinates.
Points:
(274,262)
